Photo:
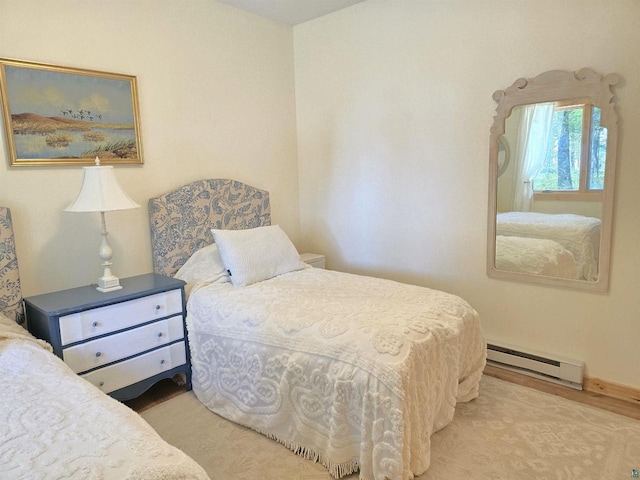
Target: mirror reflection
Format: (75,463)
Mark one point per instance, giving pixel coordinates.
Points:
(551,195)
(504,155)
(550,200)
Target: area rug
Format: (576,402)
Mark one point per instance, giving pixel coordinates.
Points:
(509,432)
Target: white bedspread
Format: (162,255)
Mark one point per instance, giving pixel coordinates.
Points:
(536,256)
(578,234)
(55,425)
(352,371)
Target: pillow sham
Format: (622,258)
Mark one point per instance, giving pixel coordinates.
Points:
(256,254)
(205,264)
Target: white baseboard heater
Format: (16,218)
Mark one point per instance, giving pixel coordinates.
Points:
(553,368)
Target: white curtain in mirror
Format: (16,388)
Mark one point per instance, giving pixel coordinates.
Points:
(532,145)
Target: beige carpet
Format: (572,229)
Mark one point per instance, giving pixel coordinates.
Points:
(509,432)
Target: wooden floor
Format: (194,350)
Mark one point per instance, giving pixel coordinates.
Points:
(598,400)
(166,389)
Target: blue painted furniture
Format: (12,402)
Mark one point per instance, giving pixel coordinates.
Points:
(123,341)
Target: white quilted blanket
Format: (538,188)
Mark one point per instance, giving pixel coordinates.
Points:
(351,371)
(537,256)
(55,425)
(578,234)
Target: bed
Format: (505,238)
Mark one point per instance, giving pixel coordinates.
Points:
(53,424)
(354,372)
(580,235)
(535,256)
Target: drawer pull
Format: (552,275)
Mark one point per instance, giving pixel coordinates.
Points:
(158,307)
(101,384)
(159,334)
(95,324)
(98,354)
(162,362)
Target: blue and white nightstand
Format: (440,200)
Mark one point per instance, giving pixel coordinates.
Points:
(122,341)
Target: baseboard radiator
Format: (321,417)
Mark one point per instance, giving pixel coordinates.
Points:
(553,368)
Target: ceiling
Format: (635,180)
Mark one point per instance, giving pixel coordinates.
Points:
(291,12)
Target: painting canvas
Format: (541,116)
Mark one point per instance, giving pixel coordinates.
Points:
(68,116)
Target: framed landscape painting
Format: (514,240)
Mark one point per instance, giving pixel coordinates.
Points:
(68,116)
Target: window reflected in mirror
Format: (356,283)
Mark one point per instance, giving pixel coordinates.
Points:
(576,151)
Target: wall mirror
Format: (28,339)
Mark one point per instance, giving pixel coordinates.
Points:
(552,160)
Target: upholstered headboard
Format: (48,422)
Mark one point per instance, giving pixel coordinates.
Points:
(10,291)
(181,220)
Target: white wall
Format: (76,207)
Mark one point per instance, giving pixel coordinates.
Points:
(216,94)
(394,106)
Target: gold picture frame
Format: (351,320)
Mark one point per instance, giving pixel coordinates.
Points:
(68,116)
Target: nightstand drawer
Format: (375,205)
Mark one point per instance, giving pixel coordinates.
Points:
(88,355)
(123,374)
(98,321)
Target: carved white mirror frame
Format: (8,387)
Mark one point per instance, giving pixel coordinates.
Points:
(555,86)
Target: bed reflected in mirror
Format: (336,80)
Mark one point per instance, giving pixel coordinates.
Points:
(552,158)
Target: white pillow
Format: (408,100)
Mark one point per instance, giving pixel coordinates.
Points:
(205,264)
(256,254)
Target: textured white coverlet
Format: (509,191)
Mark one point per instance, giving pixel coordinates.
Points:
(54,424)
(537,256)
(578,234)
(354,372)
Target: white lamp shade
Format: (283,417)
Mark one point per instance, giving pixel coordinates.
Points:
(100,192)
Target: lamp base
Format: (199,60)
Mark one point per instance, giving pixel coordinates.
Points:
(110,289)
(108,284)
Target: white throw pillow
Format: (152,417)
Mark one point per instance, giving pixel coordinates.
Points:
(205,264)
(256,254)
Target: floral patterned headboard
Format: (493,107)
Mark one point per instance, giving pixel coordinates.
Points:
(181,220)
(10,292)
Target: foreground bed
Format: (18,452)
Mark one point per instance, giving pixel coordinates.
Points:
(54,424)
(351,371)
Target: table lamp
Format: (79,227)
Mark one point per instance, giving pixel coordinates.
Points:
(101,192)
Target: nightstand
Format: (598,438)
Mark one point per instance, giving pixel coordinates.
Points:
(123,341)
(314,259)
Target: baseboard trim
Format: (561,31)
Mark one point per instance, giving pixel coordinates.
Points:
(611,389)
